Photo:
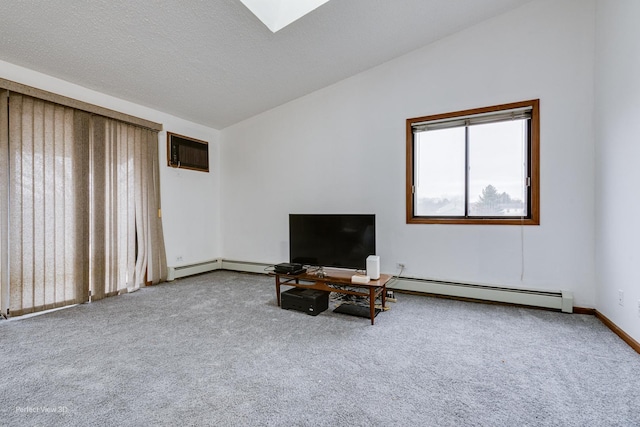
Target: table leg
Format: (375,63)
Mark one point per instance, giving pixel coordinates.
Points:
(278,289)
(372,303)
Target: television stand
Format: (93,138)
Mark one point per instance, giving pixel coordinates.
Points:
(339,282)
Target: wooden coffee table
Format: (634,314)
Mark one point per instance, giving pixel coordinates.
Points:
(337,281)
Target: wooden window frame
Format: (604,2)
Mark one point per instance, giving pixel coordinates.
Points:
(533,217)
(190,141)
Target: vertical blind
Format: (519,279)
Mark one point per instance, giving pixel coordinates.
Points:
(4,201)
(127,246)
(47,250)
(79,210)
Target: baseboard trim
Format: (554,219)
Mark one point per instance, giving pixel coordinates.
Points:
(619,332)
(609,324)
(584,310)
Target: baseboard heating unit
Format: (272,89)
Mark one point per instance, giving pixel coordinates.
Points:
(191,269)
(245,266)
(216,264)
(559,300)
(552,299)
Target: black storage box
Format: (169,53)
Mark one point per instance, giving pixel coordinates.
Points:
(310,301)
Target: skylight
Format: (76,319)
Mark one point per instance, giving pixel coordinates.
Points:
(277,14)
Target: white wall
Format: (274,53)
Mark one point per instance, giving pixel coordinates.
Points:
(190,200)
(618,154)
(342,150)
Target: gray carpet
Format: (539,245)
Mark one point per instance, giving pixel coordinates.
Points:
(216,350)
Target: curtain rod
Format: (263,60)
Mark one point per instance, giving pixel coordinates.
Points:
(79,105)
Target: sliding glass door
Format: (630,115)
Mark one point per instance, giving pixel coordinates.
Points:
(79,204)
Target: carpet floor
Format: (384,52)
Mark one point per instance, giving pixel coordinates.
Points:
(216,350)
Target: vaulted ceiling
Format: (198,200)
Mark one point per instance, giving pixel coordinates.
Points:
(212,61)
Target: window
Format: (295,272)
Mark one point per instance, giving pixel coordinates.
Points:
(476,166)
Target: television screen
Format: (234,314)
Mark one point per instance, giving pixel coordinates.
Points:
(330,240)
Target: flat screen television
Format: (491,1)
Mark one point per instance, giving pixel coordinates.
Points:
(332,240)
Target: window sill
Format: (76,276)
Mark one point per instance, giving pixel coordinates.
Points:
(473,221)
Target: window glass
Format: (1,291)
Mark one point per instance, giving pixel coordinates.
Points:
(497,169)
(440,176)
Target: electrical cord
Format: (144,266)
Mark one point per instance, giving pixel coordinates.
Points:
(390,295)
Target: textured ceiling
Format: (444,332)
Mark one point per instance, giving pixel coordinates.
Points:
(212,61)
